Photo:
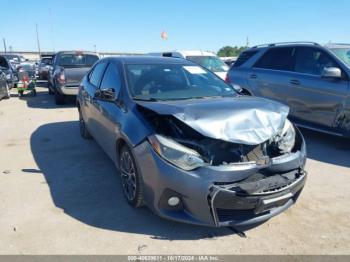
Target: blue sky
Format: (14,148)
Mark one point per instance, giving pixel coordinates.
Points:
(136,26)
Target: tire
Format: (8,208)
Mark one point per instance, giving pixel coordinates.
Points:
(59,98)
(8,92)
(130,178)
(82,127)
(245,92)
(50,89)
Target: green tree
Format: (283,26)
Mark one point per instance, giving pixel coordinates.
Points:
(230,51)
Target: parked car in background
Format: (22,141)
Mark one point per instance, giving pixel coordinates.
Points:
(311,79)
(44,67)
(188,146)
(4,87)
(10,72)
(229,60)
(68,68)
(206,59)
(30,69)
(14,59)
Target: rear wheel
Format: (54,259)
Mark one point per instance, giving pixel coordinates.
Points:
(83,130)
(130,178)
(245,92)
(59,98)
(49,86)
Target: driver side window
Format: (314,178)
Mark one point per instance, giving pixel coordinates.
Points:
(312,61)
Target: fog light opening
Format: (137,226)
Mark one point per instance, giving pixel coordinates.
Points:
(173,201)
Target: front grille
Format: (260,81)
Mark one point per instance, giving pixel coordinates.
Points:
(249,198)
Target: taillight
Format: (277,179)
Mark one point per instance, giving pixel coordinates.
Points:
(61,78)
(227,79)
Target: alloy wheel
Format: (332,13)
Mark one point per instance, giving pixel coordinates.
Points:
(128,175)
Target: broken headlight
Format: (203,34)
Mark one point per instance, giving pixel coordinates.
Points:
(285,140)
(175,153)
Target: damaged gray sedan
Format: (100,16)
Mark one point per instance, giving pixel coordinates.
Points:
(188,146)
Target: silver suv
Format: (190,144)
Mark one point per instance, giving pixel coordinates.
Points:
(312,80)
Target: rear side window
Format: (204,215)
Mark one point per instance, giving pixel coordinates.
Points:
(77,60)
(111,78)
(282,58)
(244,57)
(96,74)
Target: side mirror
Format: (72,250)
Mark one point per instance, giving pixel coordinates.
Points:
(106,94)
(331,72)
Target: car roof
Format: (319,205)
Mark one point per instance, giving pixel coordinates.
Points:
(77,51)
(284,44)
(149,60)
(183,53)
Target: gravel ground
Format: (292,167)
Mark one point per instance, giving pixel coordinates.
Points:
(60,194)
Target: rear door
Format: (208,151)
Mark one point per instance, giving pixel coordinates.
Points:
(88,94)
(313,98)
(271,73)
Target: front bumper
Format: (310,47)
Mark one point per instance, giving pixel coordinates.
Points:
(212,196)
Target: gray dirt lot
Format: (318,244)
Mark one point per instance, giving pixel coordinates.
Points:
(60,194)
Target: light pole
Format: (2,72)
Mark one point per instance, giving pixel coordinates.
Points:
(4,44)
(37,38)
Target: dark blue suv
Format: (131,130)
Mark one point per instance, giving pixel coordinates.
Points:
(313,80)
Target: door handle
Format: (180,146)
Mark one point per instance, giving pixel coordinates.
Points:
(253,76)
(294,82)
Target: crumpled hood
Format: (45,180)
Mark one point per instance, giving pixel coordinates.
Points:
(243,120)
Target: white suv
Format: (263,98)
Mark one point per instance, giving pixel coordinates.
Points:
(205,59)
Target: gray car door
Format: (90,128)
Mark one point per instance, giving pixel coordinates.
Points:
(313,98)
(107,114)
(271,73)
(88,95)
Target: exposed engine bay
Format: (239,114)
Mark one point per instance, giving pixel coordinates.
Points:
(216,152)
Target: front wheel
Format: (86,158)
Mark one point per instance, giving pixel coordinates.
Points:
(82,126)
(59,98)
(130,178)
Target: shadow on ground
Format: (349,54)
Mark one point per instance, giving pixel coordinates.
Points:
(327,148)
(83,182)
(43,100)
